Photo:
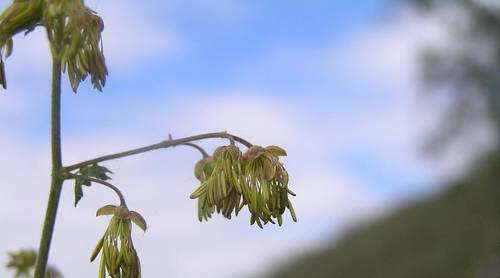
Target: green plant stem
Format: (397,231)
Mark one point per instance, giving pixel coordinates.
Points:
(200,149)
(102,182)
(161,145)
(57,180)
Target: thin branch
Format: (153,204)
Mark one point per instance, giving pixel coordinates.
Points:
(199,148)
(161,145)
(105,183)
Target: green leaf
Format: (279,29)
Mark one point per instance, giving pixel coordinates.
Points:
(78,192)
(96,171)
(82,181)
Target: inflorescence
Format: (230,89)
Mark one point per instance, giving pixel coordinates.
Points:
(230,180)
(74,32)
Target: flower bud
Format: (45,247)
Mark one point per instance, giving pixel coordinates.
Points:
(220,177)
(203,168)
(266,185)
(256,178)
(118,255)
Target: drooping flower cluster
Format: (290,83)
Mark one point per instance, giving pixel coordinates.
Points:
(220,187)
(118,256)
(82,50)
(23,262)
(230,180)
(20,16)
(73,30)
(267,181)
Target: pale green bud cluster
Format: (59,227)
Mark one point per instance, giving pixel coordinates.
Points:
(73,30)
(20,16)
(267,183)
(118,256)
(82,50)
(230,180)
(23,262)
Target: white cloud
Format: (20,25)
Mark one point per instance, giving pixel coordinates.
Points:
(389,52)
(10,104)
(31,54)
(132,37)
(389,56)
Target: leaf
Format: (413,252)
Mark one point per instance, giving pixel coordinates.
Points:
(78,192)
(96,171)
(100,172)
(82,181)
(138,220)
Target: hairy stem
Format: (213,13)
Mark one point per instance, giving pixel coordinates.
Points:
(105,183)
(57,181)
(161,145)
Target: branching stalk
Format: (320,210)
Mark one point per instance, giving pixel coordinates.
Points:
(199,148)
(162,145)
(105,183)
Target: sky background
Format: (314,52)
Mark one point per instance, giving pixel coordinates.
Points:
(335,83)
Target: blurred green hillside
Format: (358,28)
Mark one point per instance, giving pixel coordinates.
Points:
(455,234)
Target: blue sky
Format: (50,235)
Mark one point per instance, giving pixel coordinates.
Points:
(333,82)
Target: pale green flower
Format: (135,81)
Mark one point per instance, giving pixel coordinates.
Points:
(118,256)
(230,180)
(266,185)
(220,177)
(73,30)
(23,261)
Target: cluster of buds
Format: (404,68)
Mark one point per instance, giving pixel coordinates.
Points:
(230,180)
(23,261)
(267,185)
(20,16)
(220,187)
(119,258)
(82,50)
(73,30)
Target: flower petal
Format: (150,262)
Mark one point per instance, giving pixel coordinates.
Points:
(277,151)
(138,220)
(106,210)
